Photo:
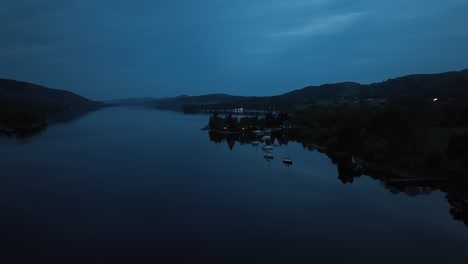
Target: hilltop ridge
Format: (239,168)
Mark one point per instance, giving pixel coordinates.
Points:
(416,87)
(26,108)
(23,95)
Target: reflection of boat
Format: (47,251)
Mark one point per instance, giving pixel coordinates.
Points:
(274,143)
(287,161)
(267,147)
(268,155)
(258,132)
(255,143)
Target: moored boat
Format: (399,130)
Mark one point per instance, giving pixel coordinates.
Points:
(255,143)
(267,147)
(268,155)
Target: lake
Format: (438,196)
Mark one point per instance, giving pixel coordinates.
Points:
(137,185)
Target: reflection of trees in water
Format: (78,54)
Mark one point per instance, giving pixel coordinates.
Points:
(216,137)
(231,141)
(244,138)
(24,132)
(459,209)
(410,190)
(387,181)
(28,132)
(349,169)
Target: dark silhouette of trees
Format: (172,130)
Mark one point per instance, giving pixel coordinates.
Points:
(216,122)
(459,209)
(231,141)
(216,137)
(232,123)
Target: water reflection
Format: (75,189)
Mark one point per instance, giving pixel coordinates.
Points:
(349,168)
(23,132)
(29,131)
(67,117)
(459,209)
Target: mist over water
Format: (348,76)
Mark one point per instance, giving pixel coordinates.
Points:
(137,185)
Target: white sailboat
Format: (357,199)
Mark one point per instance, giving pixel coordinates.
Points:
(255,143)
(268,155)
(267,148)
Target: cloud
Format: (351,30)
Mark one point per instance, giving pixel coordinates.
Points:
(324,25)
(302,32)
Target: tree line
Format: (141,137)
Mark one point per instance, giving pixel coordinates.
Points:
(247,123)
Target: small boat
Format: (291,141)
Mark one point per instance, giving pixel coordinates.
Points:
(255,143)
(258,132)
(287,161)
(267,147)
(268,155)
(266,137)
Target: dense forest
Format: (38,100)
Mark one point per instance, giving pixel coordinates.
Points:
(246,123)
(434,137)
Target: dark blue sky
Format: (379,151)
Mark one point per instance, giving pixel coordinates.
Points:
(105,49)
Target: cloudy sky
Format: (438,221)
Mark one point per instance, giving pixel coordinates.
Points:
(106,49)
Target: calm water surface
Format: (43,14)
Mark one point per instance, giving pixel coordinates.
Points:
(144,186)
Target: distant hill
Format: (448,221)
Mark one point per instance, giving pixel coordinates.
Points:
(448,85)
(26,96)
(451,86)
(418,87)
